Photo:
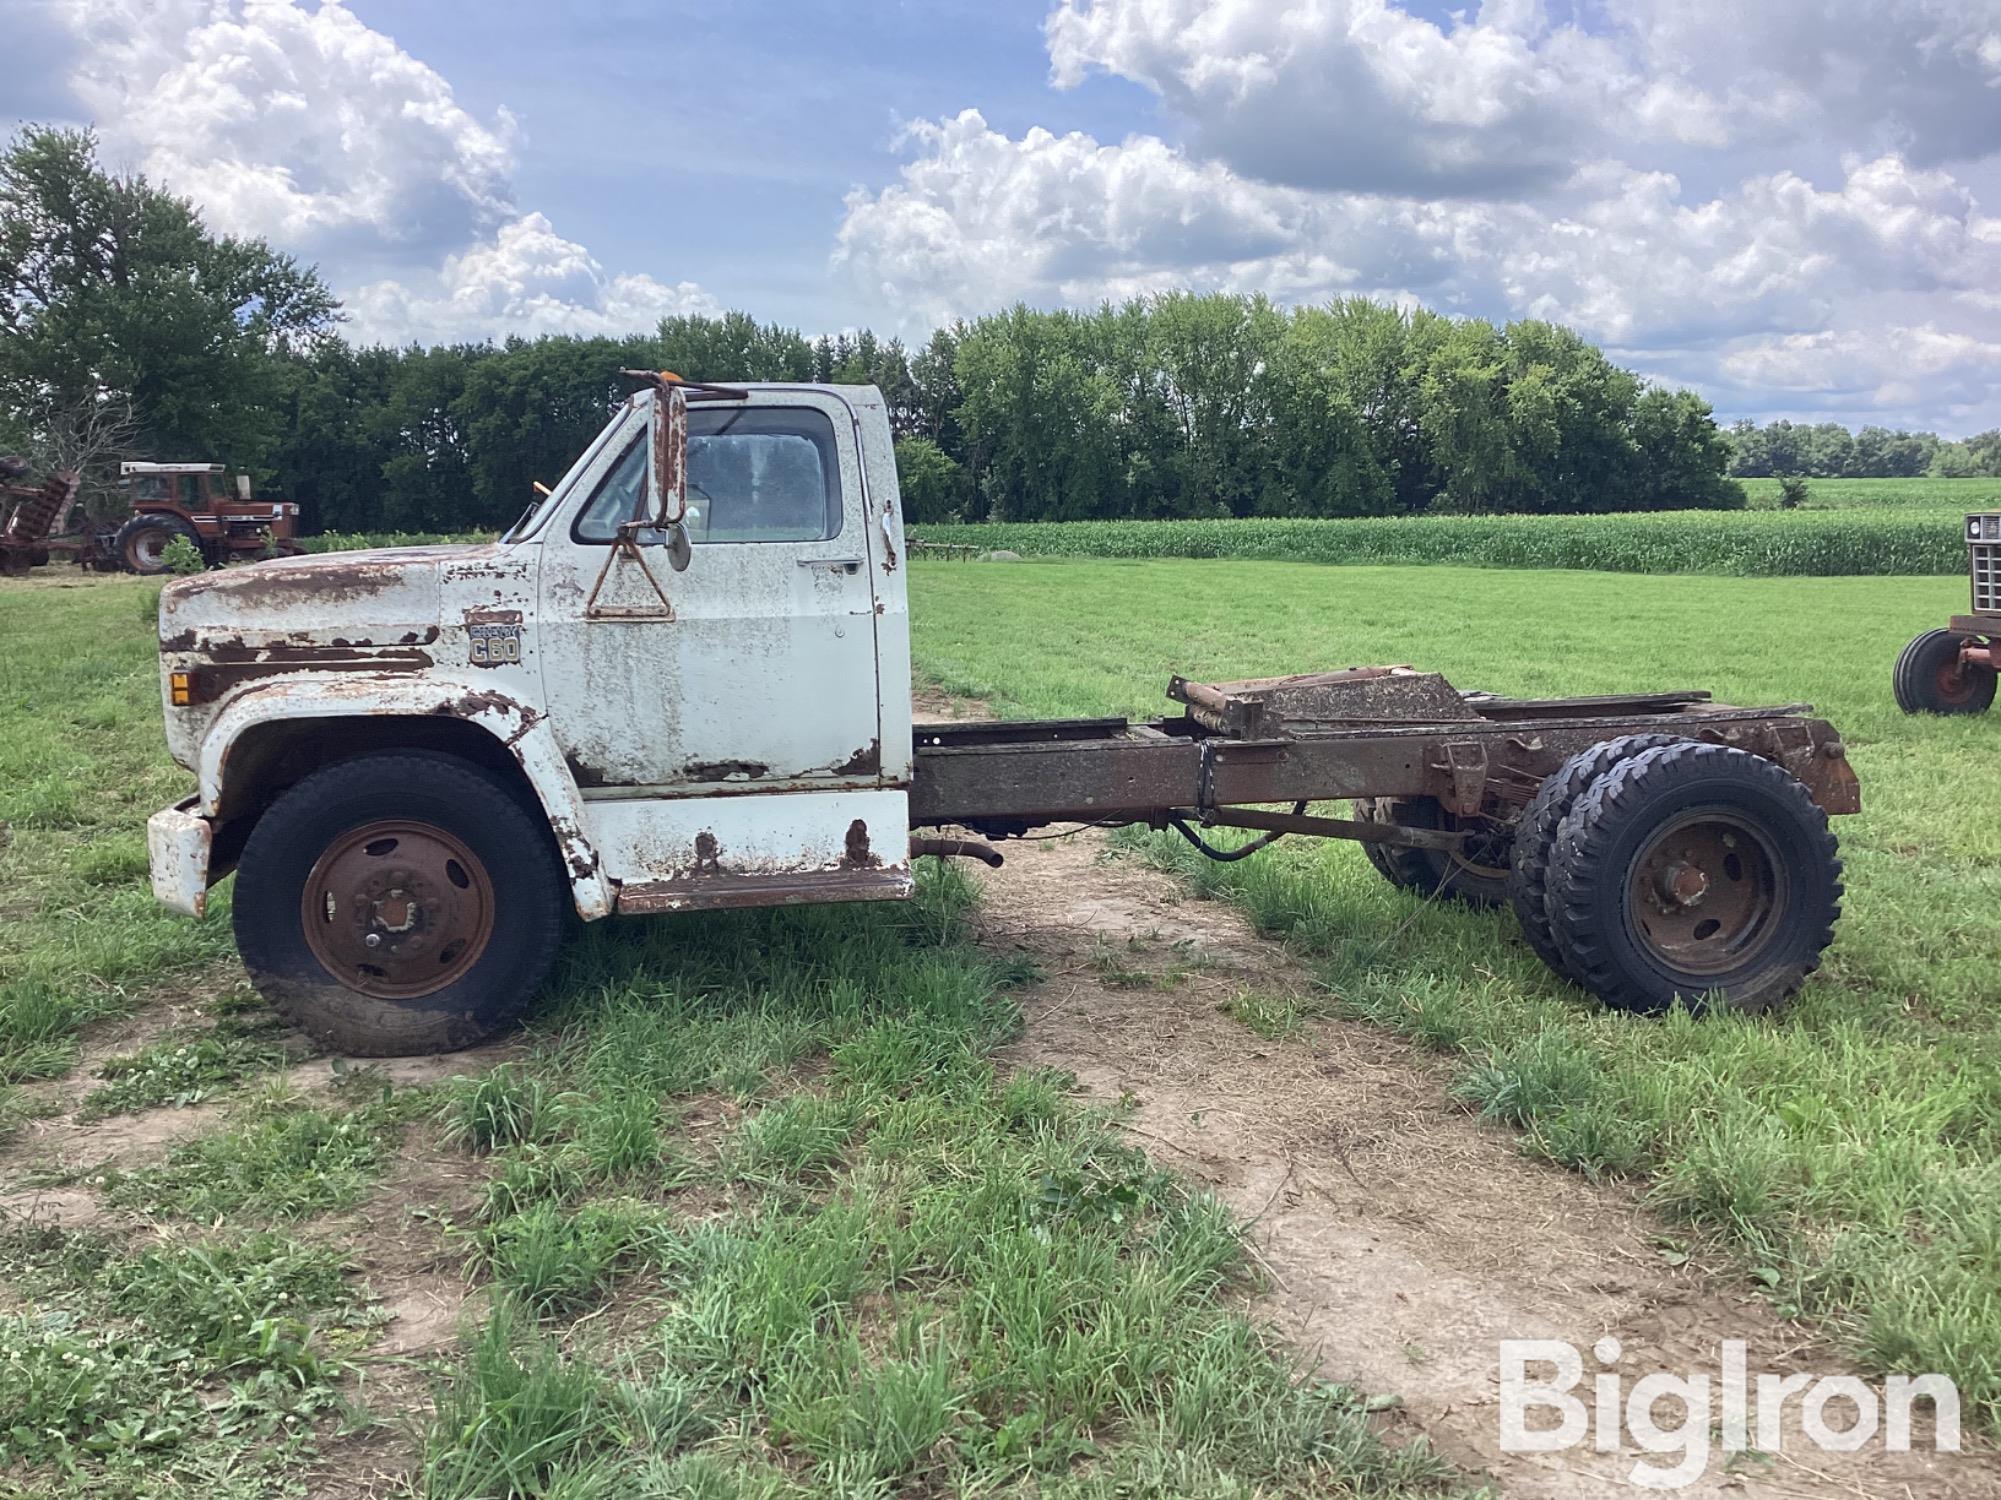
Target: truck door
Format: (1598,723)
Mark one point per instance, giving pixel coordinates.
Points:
(755,669)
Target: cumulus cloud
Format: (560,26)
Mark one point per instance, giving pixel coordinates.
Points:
(1630,259)
(1362,94)
(1891,368)
(302,125)
(1352,93)
(305,125)
(1717,196)
(978,218)
(526,280)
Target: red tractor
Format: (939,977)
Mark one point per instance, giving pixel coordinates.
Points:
(1953,670)
(194,501)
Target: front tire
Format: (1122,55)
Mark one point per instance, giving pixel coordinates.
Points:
(1931,679)
(398,904)
(1694,872)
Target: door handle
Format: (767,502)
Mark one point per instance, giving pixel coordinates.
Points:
(845,564)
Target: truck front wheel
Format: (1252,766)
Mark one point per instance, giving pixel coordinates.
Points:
(397,904)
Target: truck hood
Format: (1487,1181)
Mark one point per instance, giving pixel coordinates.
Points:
(384,597)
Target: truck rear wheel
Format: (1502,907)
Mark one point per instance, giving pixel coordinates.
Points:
(397,904)
(1478,877)
(1694,872)
(1535,836)
(141,544)
(1931,679)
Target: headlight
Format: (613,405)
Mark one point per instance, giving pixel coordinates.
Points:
(1973,528)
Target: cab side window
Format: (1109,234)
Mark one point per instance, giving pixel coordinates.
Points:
(754,475)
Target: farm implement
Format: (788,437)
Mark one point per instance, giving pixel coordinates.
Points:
(680,684)
(31,515)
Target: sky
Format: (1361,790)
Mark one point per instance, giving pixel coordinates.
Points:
(1793,206)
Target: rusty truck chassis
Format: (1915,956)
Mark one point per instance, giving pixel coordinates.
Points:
(1240,748)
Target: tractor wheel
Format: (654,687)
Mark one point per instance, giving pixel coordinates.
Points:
(1479,877)
(1694,872)
(141,544)
(397,904)
(1535,835)
(1931,679)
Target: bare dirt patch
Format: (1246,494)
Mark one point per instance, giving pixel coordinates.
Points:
(398,1242)
(395,1239)
(1403,1239)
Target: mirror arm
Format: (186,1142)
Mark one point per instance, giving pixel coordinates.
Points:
(662,380)
(669,433)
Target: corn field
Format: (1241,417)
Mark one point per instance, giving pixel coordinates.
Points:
(1745,544)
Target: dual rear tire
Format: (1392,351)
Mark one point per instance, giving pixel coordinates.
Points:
(1649,870)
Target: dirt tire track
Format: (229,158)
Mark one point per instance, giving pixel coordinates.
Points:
(1403,1238)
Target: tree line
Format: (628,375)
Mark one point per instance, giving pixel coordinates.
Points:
(1181,405)
(1828,450)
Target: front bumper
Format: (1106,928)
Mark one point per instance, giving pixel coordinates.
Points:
(178,843)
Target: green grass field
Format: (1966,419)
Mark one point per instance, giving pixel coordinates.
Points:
(1849,1152)
(751,1210)
(1879,494)
(758,1213)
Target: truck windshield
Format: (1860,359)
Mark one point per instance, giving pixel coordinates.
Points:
(768,474)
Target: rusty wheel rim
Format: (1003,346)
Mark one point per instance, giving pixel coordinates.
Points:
(1707,894)
(1952,681)
(396,910)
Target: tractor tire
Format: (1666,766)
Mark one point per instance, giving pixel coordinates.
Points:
(397,904)
(1535,836)
(1930,678)
(1698,873)
(1479,880)
(141,543)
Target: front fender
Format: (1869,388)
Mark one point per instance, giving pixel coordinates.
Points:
(519,728)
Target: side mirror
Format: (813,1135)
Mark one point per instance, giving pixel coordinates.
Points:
(667,472)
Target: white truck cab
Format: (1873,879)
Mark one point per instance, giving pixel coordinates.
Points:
(416,756)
